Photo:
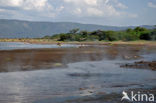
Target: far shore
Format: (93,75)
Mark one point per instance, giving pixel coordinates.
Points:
(49,41)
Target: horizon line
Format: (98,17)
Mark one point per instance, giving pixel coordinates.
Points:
(44,21)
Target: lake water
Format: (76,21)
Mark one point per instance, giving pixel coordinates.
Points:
(85,72)
(19,45)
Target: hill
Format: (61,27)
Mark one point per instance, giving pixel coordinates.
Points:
(30,29)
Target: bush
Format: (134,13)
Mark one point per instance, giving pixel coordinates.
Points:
(127,35)
(150,35)
(145,36)
(153,35)
(131,37)
(111,36)
(64,37)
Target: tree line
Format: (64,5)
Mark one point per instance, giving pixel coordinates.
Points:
(138,33)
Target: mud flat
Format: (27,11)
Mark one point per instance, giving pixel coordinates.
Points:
(40,57)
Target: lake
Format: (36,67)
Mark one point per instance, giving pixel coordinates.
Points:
(36,73)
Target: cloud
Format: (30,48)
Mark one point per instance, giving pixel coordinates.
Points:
(121,6)
(152,5)
(118,4)
(14,3)
(94,12)
(85,2)
(66,10)
(28,8)
(59,9)
(2,10)
(131,15)
(35,5)
(91,2)
(98,8)
(77,11)
(81,8)
(27,4)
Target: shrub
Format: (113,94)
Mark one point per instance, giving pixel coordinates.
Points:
(64,37)
(111,36)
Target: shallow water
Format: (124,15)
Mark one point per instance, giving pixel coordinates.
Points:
(19,45)
(87,71)
(26,87)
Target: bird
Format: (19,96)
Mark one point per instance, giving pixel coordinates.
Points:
(59,44)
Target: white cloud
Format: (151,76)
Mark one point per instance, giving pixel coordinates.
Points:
(27,4)
(65,10)
(94,12)
(11,2)
(35,4)
(86,8)
(152,5)
(91,2)
(118,4)
(121,6)
(77,11)
(96,8)
(41,8)
(60,8)
(88,2)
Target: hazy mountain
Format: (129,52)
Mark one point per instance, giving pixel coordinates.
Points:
(21,29)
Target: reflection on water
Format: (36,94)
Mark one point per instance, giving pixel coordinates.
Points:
(25,87)
(79,72)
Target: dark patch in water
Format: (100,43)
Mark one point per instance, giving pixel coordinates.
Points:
(141,65)
(91,75)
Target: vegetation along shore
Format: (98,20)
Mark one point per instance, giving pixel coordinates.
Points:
(138,35)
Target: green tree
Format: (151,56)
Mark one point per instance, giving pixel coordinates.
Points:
(84,33)
(129,30)
(64,37)
(73,31)
(101,34)
(111,36)
(140,29)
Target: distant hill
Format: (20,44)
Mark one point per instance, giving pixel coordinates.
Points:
(29,29)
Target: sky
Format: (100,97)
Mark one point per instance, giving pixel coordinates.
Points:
(102,12)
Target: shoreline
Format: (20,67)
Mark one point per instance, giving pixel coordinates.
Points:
(47,41)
